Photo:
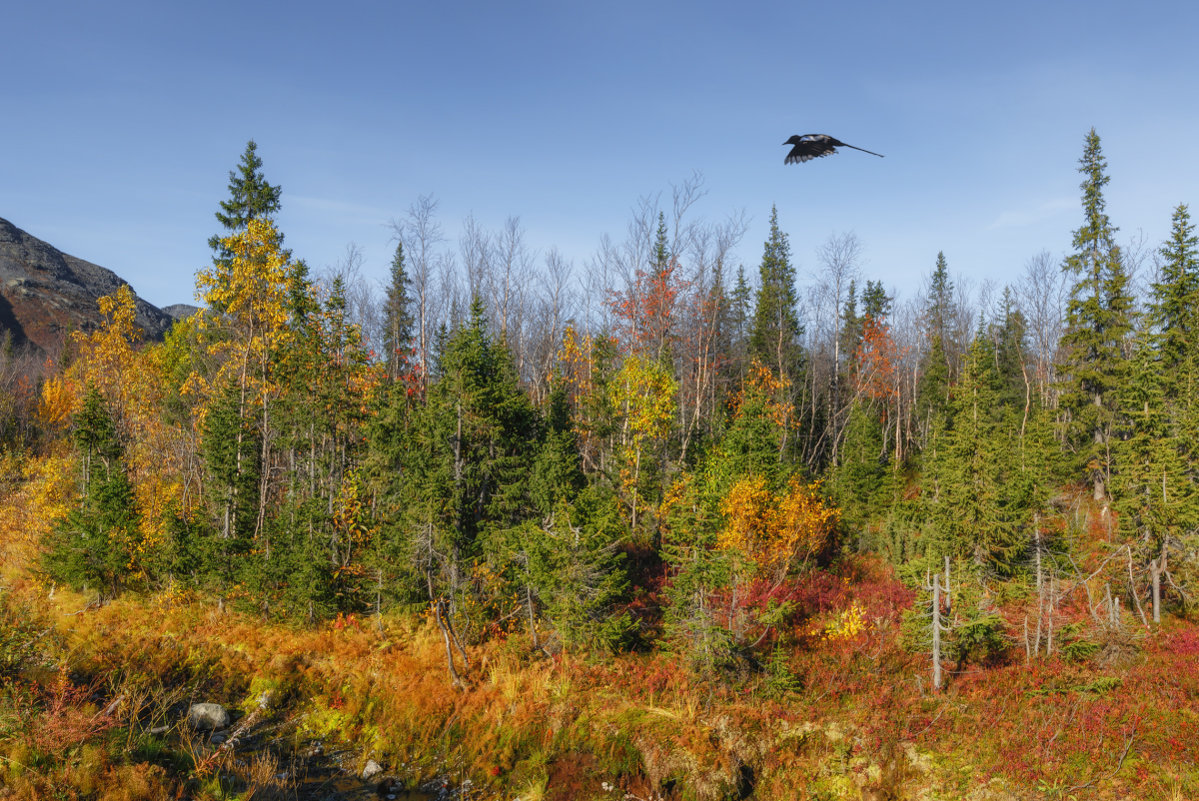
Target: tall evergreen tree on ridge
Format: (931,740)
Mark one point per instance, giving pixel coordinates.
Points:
(1010,337)
(1098,323)
(1155,488)
(775,338)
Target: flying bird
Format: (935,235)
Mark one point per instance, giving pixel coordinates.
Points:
(812,146)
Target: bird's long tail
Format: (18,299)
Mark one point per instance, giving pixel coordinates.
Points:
(864,150)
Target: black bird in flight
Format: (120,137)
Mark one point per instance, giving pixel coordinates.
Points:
(812,146)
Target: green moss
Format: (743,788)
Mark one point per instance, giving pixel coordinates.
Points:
(321,721)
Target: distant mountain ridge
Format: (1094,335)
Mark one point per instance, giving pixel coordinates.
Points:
(45,293)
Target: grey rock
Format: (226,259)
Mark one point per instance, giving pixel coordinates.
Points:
(371,770)
(180,311)
(208,716)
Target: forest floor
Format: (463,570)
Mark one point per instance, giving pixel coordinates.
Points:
(93,699)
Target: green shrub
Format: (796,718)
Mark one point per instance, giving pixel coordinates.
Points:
(981,641)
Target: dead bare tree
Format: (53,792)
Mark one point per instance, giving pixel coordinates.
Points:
(511,276)
(840,258)
(552,307)
(1041,295)
(421,235)
(936,585)
(475,247)
(705,341)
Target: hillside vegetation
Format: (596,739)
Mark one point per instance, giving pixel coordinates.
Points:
(681,537)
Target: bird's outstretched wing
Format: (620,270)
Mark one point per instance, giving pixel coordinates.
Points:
(811,146)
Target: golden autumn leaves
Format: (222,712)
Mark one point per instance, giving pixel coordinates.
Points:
(251,295)
(129,379)
(770,531)
(779,531)
(248,343)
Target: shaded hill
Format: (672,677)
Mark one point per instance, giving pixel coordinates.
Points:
(45,293)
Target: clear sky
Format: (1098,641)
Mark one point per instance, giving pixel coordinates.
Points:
(121,121)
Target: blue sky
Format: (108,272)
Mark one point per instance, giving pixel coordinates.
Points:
(123,119)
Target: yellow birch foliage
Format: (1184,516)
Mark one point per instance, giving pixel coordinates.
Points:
(250,297)
(113,359)
(351,525)
(38,493)
(643,394)
(776,532)
(577,363)
(575,358)
(762,385)
(107,359)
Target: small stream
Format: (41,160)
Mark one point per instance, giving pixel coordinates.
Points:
(324,779)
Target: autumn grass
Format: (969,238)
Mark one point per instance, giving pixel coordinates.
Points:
(86,684)
(862,726)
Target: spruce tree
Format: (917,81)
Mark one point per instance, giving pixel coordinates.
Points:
(572,574)
(230,446)
(1010,345)
(93,546)
(932,394)
(468,467)
(1173,310)
(740,316)
(557,474)
(975,507)
(251,197)
(939,307)
(661,300)
(776,332)
(1152,489)
(858,480)
(1098,322)
(875,301)
(398,319)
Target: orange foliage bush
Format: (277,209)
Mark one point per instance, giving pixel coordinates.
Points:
(777,532)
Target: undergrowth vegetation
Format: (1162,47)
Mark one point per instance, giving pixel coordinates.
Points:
(86,687)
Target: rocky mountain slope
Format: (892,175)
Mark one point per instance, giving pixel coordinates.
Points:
(45,293)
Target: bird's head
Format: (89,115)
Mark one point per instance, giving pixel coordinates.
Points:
(794,140)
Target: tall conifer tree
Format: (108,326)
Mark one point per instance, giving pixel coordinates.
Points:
(399,321)
(776,332)
(933,392)
(1172,308)
(1098,323)
(251,197)
(976,507)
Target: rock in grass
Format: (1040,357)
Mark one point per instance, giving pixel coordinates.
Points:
(371,770)
(207,716)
